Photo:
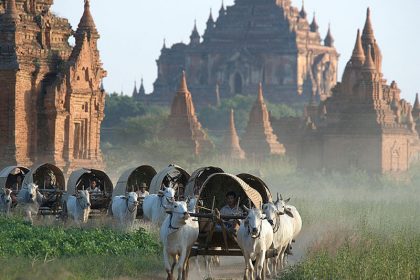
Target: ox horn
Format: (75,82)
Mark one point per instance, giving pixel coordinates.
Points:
(278,198)
(281,197)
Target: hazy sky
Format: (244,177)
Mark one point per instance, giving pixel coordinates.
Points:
(132,33)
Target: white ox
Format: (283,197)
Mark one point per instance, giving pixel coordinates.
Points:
(78,207)
(178,234)
(30,199)
(286,234)
(5,201)
(124,209)
(156,205)
(282,232)
(255,237)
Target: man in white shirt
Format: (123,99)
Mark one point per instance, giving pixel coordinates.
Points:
(142,191)
(94,187)
(231,209)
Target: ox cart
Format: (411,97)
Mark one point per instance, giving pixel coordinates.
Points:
(82,180)
(214,238)
(51,184)
(132,179)
(11,177)
(172,175)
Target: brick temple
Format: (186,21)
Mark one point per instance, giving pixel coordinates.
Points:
(51,99)
(250,42)
(365,124)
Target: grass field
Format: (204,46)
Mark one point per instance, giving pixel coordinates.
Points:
(51,252)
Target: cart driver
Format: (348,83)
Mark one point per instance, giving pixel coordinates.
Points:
(142,191)
(231,209)
(50,184)
(94,187)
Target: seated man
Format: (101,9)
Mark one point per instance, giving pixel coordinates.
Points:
(142,191)
(231,209)
(50,184)
(94,187)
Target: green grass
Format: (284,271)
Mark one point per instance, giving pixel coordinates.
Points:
(48,252)
(364,255)
(19,239)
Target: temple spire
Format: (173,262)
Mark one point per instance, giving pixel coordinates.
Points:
(210,21)
(231,145)
(314,25)
(222,10)
(135,93)
(416,102)
(368,35)
(183,84)
(358,56)
(87,24)
(142,91)
(195,36)
(302,12)
(369,64)
(260,93)
(329,39)
(259,139)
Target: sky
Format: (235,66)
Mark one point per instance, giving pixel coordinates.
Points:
(132,34)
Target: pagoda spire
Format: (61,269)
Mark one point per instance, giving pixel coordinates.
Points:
(302,12)
(222,10)
(260,93)
(416,102)
(416,108)
(314,25)
(231,145)
(87,24)
(368,35)
(183,124)
(195,36)
(142,91)
(329,39)
(135,92)
(183,87)
(259,138)
(358,56)
(369,64)
(210,21)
